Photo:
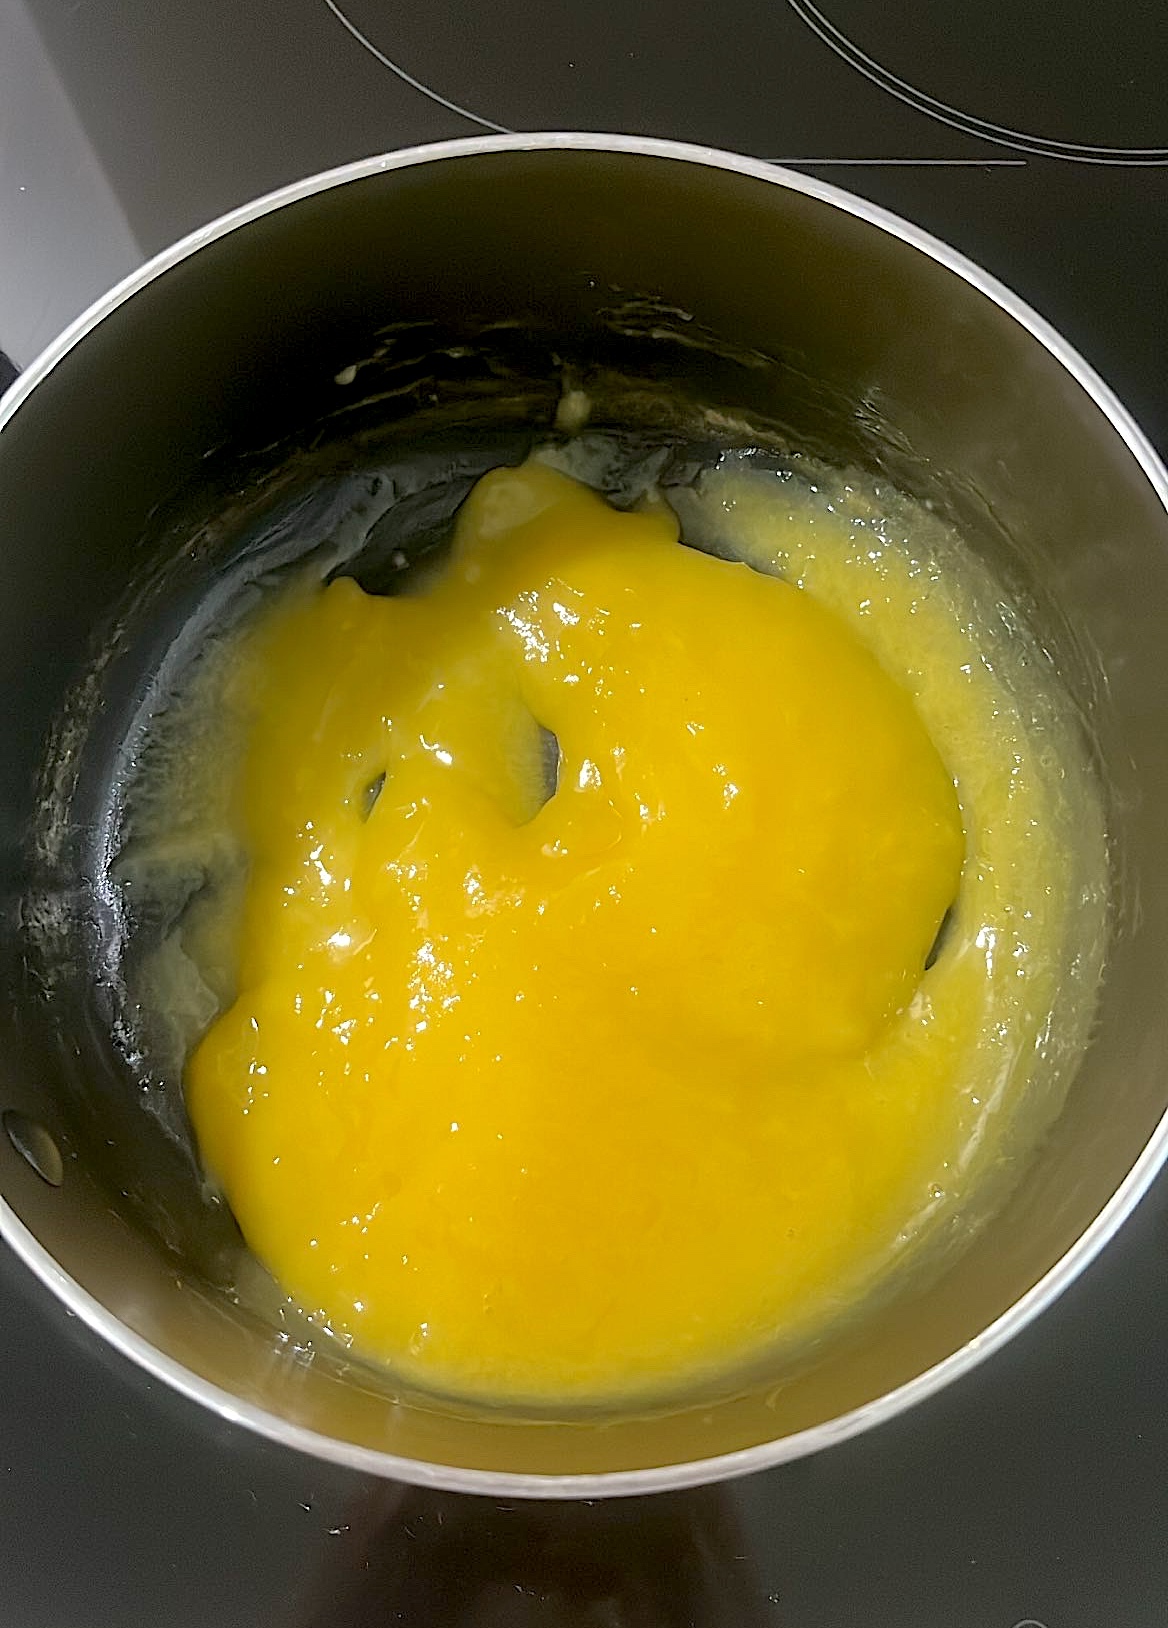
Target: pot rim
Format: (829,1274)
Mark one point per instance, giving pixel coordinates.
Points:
(744,1461)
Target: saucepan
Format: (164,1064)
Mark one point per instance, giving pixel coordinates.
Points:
(198,420)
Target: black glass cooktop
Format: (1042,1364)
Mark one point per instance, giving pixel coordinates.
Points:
(1033,136)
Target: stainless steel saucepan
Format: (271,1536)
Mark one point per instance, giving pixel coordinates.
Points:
(211,399)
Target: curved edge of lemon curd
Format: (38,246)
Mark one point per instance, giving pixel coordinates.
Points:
(1035,899)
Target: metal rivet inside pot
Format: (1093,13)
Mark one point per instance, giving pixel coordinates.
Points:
(35,1146)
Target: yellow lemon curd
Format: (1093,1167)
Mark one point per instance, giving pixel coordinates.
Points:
(578,1045)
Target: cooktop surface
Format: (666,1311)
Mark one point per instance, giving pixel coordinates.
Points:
(1034,1494)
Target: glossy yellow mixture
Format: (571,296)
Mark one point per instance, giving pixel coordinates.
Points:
(582,1040)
